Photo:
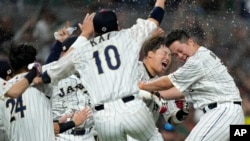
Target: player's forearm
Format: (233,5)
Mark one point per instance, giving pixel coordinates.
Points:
(18,88)
(63,68)
(160,3)
(172,93)
(159,84)
(157,13)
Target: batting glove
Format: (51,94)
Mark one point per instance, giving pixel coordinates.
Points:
(36,66)
(183,105)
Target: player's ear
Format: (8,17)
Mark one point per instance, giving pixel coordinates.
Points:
(190,41)
(150,54)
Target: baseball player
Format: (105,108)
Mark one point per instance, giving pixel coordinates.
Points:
(5,73)
(70,96)
(204,81)
(9,90)
(107,64)
(29,116)
(156,61)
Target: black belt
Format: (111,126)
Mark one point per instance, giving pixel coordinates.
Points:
(78,131)
(214,105)
(124,99)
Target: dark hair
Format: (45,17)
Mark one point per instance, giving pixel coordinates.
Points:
(152,44)
(21,55)
(176,35)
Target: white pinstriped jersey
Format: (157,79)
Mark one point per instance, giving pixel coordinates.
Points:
(152,105)
(4,87)
(3,134)
(214,82)
(29,117)
(103,61)
(69,95)
(108,66)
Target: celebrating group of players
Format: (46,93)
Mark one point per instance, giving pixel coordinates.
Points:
(93,86)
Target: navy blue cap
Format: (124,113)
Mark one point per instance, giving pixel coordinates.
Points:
(66,44)
(5,69)
(105,21)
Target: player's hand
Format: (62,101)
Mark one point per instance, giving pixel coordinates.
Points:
(64,118)
(87,26)
(141,85)
(163,107)
(81,116)
(64,33)
(37,81)
(162,103)
(159,32)
(183,105)
(37,66)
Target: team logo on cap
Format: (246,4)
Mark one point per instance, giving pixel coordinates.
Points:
(104,29)
(64,48)
(9,71)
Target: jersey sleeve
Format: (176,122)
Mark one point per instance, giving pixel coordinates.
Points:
(65,66)
(141,30)
(186,75)
(4,87)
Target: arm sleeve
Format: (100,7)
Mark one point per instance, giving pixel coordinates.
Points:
(186,75)
(55,52)
(65,66)
(142,30)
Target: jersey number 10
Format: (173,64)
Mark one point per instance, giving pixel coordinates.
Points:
(107,58)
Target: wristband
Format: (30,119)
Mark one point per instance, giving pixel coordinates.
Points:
(157,13)
(31,75)
(66,126)
(45,77)
(157,94)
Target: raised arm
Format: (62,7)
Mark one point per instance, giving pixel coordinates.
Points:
(18,88)
(157,13)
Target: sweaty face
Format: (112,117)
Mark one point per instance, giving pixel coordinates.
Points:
(180,50)
(161,60)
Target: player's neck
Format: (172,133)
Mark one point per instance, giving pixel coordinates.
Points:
(20,71)
(148,70)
